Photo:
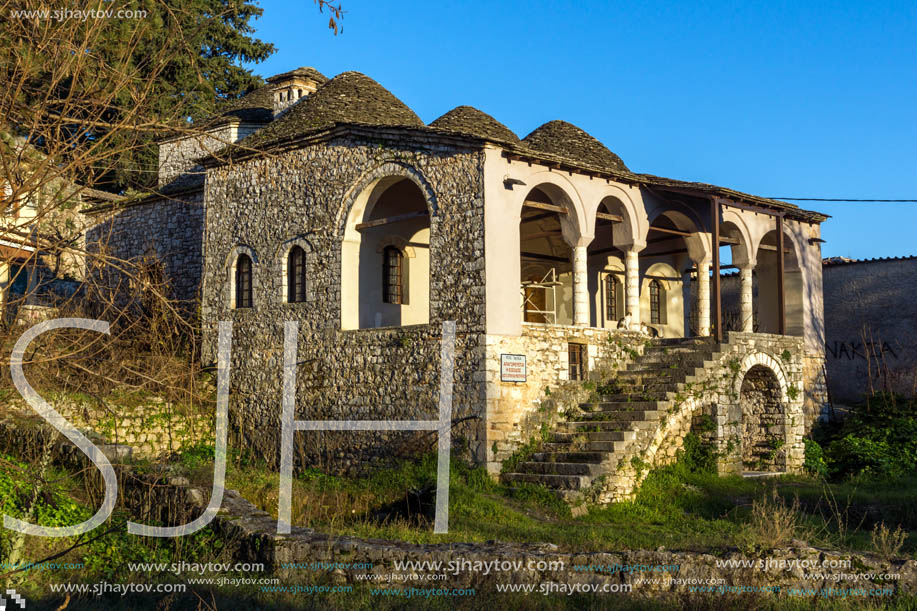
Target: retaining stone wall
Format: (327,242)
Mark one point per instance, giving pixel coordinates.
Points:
(516,411)
(152,430)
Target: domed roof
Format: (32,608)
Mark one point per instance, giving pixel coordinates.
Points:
(255,106)
(566,140)
(303,72)
(350,97)
(469,120)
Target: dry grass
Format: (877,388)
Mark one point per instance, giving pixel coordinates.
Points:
(887,543)
(772,523)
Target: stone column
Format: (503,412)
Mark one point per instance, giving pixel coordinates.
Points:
(632,285)
(747,298)
(703,298)
(580,287)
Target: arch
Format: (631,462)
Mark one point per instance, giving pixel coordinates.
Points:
(629,233)
(360,195)
(765,415)
(733,226)
(698,242)
(576,228)
(671,304)
(281,266)
(398,242)
(392,205)
(766,277)
(547,238)
(230,264)
(764,423)
(762,359)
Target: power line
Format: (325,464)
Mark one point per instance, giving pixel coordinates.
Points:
(830,199)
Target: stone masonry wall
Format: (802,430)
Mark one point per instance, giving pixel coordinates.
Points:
(517,410)
(178,157)
(261,207)
(710,405)
(167,231)
(153,429)
(871,327)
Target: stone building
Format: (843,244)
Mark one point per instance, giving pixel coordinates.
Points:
(870,326)
(330,203)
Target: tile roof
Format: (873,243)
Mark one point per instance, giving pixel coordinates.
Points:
(354,99)
(567,140)
(838,261)
(471,121)
(349,97)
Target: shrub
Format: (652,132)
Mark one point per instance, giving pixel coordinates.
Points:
(878,439)
(815,459)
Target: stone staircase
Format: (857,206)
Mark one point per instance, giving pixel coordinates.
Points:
(611,432)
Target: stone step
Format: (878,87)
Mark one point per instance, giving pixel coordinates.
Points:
(574,456)
(651,371)
(560,468)
(635,397)
(588,426)
(684,341)
(587,446)
(621,416)
(595,436)
(550,480)
(677,349)
(630,388)
(617,406)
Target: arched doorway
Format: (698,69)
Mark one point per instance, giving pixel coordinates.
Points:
(385,257)
(767,276)
(673,248)
(546,264)
(764,433)
(738,313)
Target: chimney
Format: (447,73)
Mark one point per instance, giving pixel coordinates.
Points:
(290,87)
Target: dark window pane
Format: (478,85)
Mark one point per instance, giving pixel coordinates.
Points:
(392,280)
(296,275)
(244,282)
(611,297)
(576,357)
(655,305)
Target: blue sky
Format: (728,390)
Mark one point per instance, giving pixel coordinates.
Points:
(802,99)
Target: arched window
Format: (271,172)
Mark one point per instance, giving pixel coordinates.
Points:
(656,302)
(392,275)
(243,281)
(296,275)
(611,297)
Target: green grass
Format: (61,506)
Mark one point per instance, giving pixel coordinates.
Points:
(680,507)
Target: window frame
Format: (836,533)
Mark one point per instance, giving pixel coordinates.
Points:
(297,275)
(244,280)
(611,297)
(656,299)
(393,275)
(576,367)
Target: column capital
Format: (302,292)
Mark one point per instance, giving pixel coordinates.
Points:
(750,266)
(631,247)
